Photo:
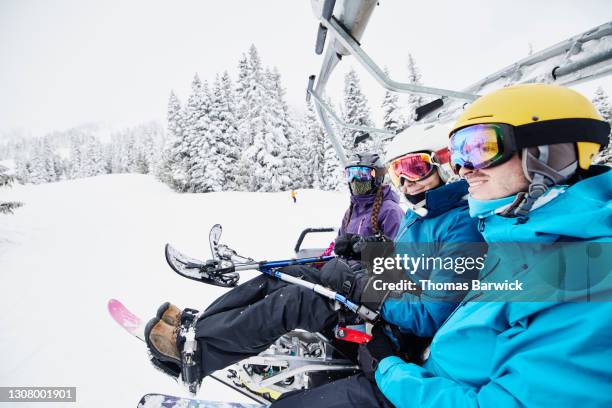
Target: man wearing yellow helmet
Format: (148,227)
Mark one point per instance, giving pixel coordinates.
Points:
(556,130)
(526,153)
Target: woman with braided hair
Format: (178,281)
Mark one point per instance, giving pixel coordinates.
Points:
(374,208)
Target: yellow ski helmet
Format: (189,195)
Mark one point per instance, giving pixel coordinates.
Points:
(542,114)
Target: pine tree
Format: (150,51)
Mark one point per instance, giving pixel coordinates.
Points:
(6,180)
(175,159)
(217,167)
(22,168)
(256,100)
(232,145)
(265,154)
(392,119)
(50,161)
(316,143)
(288,146)
(92,161)
(244,171)
(37,164)
(198,146)
(414,100)
(355,112)
(602,103)
(333,179)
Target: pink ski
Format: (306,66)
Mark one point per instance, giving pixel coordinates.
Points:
(126,319)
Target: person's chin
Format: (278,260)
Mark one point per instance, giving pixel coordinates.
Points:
(478,190)
(417,191)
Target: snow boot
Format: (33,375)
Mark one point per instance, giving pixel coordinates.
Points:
(161,340)
(174,348)
(170,314)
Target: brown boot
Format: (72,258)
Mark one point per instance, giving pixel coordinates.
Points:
(170,314)
(161,340)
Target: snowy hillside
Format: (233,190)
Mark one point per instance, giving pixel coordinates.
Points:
(75,244)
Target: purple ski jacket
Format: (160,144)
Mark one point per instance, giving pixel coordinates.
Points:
(389,217)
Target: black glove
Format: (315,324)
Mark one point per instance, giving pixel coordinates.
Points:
(346,279)
(353,280)
(371,353)
(344,246)
(350,246)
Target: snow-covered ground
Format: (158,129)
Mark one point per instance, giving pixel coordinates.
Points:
(76,244)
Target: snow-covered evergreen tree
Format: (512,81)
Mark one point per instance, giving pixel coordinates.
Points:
(91,157)
(80,152)
(414,100)
(222,148)
(392,118)
(287,153)
(232,143)
(256,100)
(314,159)
(6,180)
(22,168)
(175,158)
(37,164)
(265,154)
(52,163)
(244,170)
(355,112)
(602,103)
(198,144)
(333,177)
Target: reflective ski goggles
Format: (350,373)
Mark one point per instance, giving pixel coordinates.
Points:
(481,146)
(359,173)
(416,166)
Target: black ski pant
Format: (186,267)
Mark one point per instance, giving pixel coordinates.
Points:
(249,318)
(354,391)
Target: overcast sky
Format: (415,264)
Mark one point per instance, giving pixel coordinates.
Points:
(66,62)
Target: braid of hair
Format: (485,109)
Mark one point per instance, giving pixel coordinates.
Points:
(376,210)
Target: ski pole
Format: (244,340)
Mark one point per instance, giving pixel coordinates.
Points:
(270,268)
(363,311)
(227,266)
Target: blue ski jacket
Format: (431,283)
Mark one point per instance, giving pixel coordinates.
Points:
(515,354)
(446,221)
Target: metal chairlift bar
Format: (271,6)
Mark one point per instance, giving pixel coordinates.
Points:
(586,62)
(339,121)
(335,29)
(564,47)
(332,136)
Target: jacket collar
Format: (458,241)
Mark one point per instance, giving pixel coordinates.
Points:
(446,197)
